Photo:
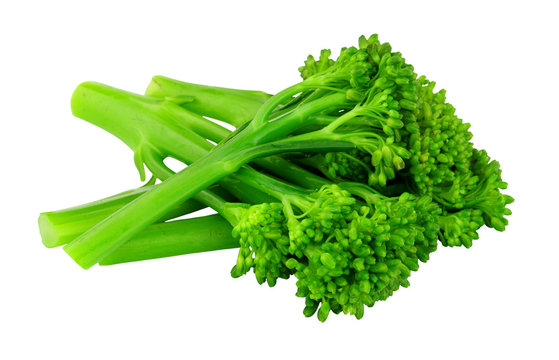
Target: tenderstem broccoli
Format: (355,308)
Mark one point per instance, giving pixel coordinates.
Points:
(374,169)
(283,238)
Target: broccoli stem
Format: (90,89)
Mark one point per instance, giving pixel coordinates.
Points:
(291,172)
(62,226)
(174,238)
(233,106)
(144,121)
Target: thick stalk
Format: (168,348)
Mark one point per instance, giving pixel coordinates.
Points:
(230,105)
(62,226)
(142,122)
(173,238)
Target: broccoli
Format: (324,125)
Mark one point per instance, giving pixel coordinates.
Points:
(374,169)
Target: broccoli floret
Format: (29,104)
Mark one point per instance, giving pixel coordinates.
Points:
(346,253)
(263,243)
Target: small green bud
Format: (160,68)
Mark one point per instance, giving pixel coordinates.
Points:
(322,271)
(382,179)
(395,123)
(344,297)
(328,260)
(235,272)
(365,286)
(387,155)
(408,105)
(354,95)
(393,115)
(379,268)
(376,157)
(323,312)
(240,262)
(373,179)
(388,130)
(359,264)
(442,158)
(398,163)
(291,263)
(396,240)
(309,310)
(389,172)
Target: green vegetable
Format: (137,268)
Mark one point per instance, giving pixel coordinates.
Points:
(374,169)
(173,238)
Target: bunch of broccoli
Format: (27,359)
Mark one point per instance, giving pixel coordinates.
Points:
(346,180)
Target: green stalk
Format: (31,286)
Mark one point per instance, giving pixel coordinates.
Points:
(291,172)
(62,226)
(143,123)
(269,185)
(59,227)
(173,238)
(233,106)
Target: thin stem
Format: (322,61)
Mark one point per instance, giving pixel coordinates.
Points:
(291,172)
(269,185)
(266,109)
(370,195)
(282,127)
(340,121)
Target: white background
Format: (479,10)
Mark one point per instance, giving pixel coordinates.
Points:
(495,300)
